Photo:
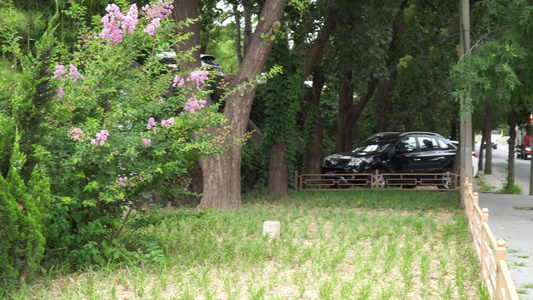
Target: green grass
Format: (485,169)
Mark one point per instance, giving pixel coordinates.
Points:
(484,186)
(513,189)
(333,245)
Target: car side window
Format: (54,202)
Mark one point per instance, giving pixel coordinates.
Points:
(428,144)
(443,145)
(407,145)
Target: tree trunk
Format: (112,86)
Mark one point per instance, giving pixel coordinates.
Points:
(277,170)
(236,14)
(222,174)
(510,157)
(345,131)
(247,25)
(315,52)
(349,113)
(183,10)
(315,149)
(480,164)
(488,139)
(314,162)
(383,118)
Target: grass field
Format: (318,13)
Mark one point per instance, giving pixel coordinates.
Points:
(333,245)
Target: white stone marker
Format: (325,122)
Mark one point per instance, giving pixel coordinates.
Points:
(272,229)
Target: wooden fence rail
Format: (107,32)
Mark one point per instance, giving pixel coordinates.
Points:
(376,180)
(491,252)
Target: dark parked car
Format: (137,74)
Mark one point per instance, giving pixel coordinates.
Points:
(494,145)
(394,152)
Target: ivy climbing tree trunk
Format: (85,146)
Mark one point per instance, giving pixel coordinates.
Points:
(277,170)
(222,174)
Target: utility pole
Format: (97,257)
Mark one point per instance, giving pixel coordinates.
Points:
(466,116)
(531,163)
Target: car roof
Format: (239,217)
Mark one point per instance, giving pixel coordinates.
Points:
(400,134)
(421,133)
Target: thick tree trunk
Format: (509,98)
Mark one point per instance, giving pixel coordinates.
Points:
(183,10)
(222,174)
(488,139)
(277,170)
(510,157)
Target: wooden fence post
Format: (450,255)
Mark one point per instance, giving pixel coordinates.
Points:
(499,255)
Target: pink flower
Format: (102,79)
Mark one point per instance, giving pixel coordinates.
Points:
(59,93)
(167,123)
(151,123)
(161,10)
(147,142)
(161,100)
(199,76)
(193,105)
(116,24)
(121,181)
(101,138)
(75,74)
(59,72)
(75,134)
(152,26)
(178,81)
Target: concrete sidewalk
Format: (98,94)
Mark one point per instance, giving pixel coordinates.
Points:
(511,219)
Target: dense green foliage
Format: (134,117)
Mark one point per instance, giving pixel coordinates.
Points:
(21,210)
(105,127)
(86,108)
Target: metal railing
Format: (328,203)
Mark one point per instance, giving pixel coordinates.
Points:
(376,180)
(491,252)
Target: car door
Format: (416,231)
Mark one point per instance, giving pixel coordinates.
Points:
(448,152)
(405,158)
(431,157)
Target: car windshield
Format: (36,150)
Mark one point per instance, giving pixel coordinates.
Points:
(374,145)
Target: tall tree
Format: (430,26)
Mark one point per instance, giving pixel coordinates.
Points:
(222,174)
(499,64)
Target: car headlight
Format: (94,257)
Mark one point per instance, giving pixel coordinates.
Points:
(355,162)
(330,159)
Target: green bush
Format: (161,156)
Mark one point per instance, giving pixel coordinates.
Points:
(21,222)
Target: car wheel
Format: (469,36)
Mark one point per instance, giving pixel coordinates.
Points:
(447,182)
(381,181)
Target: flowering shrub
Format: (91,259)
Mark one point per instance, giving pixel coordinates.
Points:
(105,128)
